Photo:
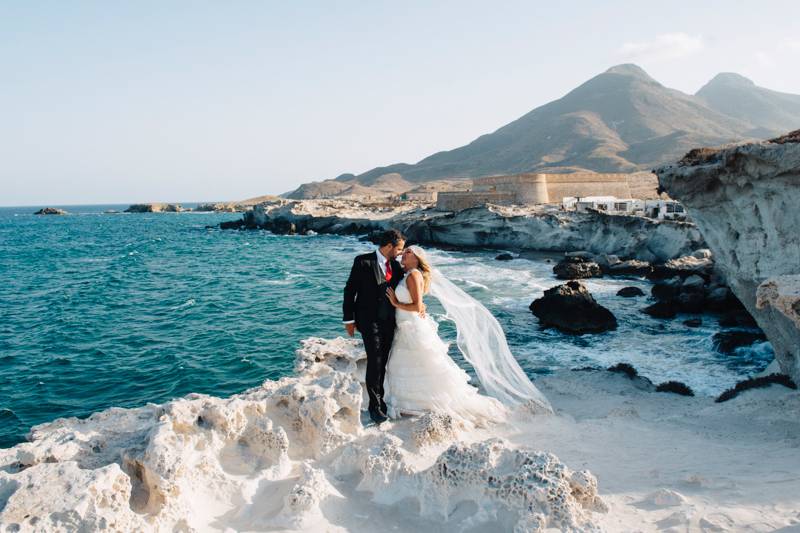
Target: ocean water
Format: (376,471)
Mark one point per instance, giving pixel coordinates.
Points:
(100,310)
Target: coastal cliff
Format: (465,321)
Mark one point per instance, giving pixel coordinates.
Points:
(745,199)
(521,228)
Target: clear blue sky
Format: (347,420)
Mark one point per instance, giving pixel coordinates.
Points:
(184,101)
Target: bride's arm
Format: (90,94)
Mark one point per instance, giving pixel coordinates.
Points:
(415,289)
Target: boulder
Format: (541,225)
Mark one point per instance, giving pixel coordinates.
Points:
(693,282)
(631,267)
(666,290)
(576,267)
(728,341)
(504,257)
(691,302)
(630,292)
(571,309)
(662,309)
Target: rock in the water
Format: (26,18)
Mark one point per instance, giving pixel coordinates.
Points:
(693,322)
(691,302)
(504,257)
(571,309)
(630,292)
(745,201)
(50,211)
(155,208)
(728,341)
(693,282)
(576,267)
(664,309)
(232,224)
(699,263)
(631,267)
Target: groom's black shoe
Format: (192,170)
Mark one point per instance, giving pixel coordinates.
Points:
(377,416)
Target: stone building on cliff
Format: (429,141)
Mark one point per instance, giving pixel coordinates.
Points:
(534,188)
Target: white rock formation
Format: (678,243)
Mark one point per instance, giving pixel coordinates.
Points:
(284,455)
(543,228)
(745,201)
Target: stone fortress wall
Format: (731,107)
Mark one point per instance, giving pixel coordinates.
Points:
(534,188)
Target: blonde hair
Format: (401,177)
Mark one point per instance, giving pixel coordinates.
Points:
(423,267)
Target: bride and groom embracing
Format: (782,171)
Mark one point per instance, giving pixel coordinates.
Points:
(408,368)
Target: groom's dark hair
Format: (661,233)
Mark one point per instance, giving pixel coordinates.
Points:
(391,236)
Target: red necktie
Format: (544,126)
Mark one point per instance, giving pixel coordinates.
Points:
(388,271)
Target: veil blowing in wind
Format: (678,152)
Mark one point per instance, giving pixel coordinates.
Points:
(481,340)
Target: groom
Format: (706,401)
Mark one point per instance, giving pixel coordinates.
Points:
(367,308)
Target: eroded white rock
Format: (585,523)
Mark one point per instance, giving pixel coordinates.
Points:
(280,455)
(744,200)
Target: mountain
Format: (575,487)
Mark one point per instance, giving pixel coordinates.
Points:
(621,120)
(771,112)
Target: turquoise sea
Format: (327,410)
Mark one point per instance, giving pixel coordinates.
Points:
(100,310)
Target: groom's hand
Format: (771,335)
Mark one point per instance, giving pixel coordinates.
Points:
(351,328)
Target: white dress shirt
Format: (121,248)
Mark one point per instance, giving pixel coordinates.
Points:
(382,265)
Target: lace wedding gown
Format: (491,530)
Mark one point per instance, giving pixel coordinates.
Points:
(421,376)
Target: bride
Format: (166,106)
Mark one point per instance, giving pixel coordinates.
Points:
(421,376)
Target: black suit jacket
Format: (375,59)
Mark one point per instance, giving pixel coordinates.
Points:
(365,298)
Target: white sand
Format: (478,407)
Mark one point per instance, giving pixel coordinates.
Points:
(292,455)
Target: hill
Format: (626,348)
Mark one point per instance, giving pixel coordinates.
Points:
(770,112)
(621,120)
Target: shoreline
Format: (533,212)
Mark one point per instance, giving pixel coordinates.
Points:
(292,454)
(537,228)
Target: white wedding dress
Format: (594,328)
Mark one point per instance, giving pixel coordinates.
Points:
(421,377)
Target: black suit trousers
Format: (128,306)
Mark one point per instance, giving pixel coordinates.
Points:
(378,337)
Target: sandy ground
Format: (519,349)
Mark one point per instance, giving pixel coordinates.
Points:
(671,463)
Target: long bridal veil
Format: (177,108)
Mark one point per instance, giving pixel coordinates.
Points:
(482,341)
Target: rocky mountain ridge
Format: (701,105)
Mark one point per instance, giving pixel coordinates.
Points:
(621,120)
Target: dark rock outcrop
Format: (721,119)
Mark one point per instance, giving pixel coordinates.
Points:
(630,292)
(745,201)
(675,387)
(504,257)
(728,341)
(756,383)
(571,309)
(50,211)
(661,310)
(577,268)
(692,294)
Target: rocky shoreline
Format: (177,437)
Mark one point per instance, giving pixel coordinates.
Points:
(504,228)
(293,454)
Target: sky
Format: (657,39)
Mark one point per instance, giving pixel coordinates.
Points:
(145,101)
